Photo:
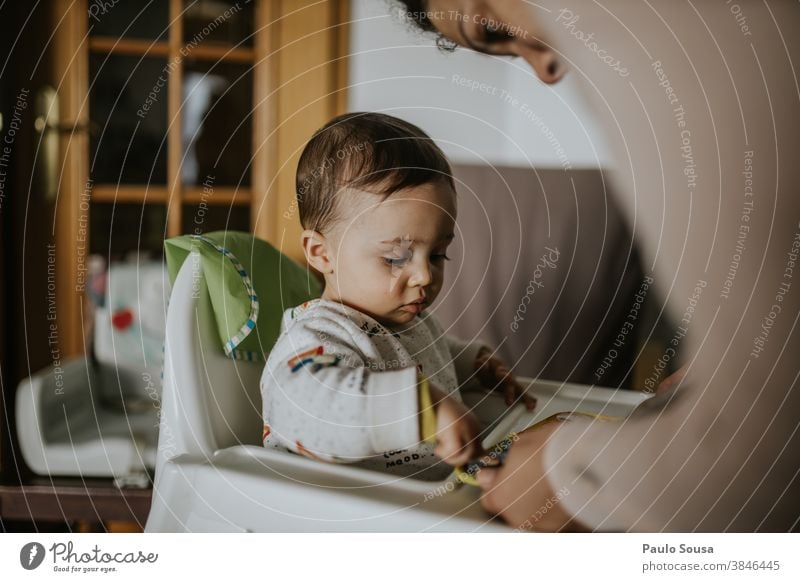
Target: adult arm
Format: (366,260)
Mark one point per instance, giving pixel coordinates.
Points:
(703,129)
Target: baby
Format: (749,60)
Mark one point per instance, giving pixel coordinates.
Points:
(364,374)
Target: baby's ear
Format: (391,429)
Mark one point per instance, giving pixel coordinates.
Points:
(316,249)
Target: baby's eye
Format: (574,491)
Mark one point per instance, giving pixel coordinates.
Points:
(394,262)
(439,258)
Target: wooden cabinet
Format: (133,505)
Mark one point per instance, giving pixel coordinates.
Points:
(188,116)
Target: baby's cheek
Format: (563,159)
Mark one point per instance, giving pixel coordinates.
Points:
(389,284)
(376,282)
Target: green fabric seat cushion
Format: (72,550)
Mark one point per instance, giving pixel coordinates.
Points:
(250,284)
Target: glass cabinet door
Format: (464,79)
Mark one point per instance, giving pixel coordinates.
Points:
(217,123)
(224,22)
(170,101)
(183,117)
(128,145)
(147,20)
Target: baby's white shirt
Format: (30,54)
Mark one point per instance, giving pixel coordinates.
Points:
(340,387)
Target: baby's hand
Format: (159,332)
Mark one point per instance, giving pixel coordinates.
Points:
(494,374)
(457,429)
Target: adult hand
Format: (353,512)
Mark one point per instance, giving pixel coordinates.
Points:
(520,492)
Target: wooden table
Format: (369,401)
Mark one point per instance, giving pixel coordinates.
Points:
(92,502)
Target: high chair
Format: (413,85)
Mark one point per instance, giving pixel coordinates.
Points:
(213,475)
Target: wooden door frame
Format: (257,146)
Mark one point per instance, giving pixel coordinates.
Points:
(71,55)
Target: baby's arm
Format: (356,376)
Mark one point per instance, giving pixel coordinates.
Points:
(322,400)
(474,360)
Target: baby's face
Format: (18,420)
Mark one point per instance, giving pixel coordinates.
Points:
(388,256)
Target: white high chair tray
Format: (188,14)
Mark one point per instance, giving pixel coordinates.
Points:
(250,488)
(555,397)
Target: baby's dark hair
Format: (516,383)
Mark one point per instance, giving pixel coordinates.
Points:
(367,151)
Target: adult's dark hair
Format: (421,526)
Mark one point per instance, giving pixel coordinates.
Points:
(366,151)
(416,12)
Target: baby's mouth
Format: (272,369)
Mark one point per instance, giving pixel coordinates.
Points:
(415,306)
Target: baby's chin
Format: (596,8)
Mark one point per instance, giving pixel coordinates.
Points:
(384,314)
(396,318)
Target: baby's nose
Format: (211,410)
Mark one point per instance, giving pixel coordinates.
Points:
(421,275)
